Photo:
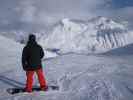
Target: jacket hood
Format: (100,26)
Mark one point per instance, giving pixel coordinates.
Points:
(32,39)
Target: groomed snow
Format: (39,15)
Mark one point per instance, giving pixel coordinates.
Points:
(80,77)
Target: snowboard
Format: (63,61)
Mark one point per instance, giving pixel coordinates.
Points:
(22,90)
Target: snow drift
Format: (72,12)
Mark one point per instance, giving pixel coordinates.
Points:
(125,50)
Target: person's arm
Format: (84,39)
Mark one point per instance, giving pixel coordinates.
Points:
(41,52)
(24,57)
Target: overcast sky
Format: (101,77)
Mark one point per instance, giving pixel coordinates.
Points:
(31,15)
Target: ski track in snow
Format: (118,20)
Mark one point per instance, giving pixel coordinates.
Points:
(92,79)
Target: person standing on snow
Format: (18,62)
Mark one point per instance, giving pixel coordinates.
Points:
(31,62)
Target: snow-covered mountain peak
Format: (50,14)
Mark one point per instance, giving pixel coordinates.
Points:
(100,23)
(95,35)
(65,21)
(106,23)
(101,19)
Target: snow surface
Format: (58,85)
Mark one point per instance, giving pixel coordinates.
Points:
(80,77)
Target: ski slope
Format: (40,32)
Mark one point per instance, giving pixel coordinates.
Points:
(80,77)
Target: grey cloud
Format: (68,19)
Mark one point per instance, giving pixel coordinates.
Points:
(38,14)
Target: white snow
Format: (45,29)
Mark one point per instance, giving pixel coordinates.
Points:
(80,77)
(96,35)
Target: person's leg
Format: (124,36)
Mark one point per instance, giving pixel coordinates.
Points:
(29,81)
(41,78)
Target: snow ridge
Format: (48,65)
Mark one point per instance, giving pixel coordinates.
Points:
(97,35)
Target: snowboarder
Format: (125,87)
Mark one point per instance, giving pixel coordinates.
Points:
(31,62)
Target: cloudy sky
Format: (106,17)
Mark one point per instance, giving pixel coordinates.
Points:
(29,15)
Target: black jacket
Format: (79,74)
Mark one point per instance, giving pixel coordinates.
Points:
(31,56)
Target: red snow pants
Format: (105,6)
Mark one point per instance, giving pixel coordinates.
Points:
(29,81)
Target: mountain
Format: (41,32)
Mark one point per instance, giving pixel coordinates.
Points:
(125,50)
(96,35)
